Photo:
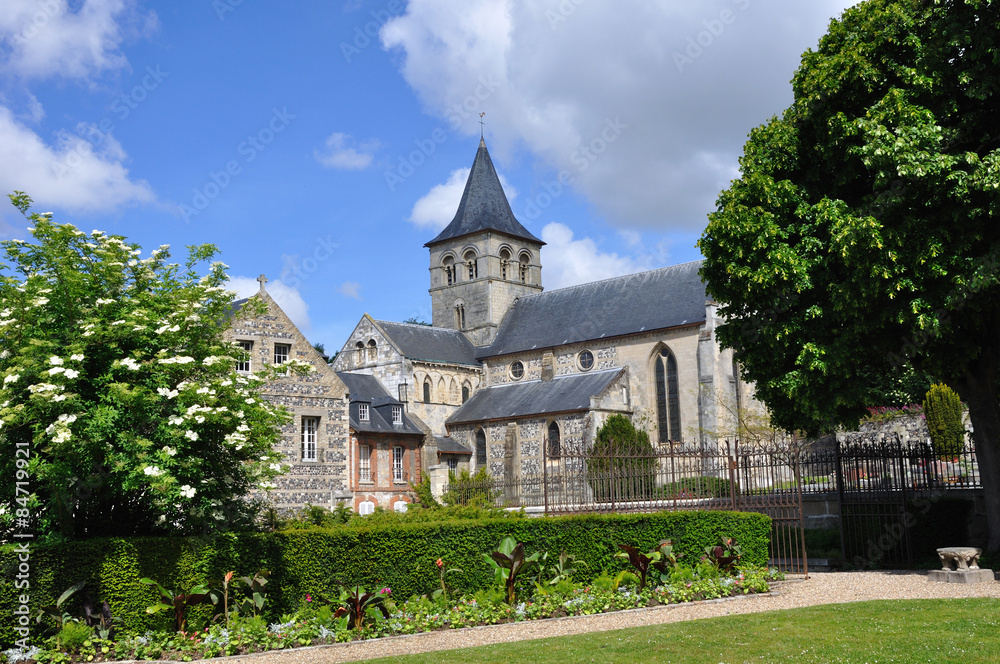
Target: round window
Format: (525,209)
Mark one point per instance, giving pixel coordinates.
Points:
(586,360)
(516,370)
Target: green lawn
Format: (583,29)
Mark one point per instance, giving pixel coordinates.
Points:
(961,631)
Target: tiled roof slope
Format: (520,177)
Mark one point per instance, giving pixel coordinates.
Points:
(430,344)
(536,397)
(652,300)
(367,389)
(484,206)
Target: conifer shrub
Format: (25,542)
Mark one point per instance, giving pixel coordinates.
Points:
(622,463)
(943,411)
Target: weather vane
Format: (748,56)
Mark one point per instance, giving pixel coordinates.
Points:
(481,123)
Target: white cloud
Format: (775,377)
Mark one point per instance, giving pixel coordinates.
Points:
(338,154)
(350,289)
(47,38)
(597,91)
(288,298)
(437,207)
(82,172)
(568,262)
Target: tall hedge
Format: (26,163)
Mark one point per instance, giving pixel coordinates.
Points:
(312,561)
(943,410)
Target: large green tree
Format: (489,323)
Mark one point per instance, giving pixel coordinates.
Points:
(862,234)
(120,410)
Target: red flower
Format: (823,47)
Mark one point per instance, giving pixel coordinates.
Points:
(309,597)
(439,563)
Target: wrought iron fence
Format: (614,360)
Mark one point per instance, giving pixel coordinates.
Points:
(644,478)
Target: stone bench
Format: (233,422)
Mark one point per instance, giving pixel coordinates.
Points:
(960,564)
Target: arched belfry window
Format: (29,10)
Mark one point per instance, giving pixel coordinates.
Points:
(504,263)
(480,448)
(372,350)
(555,442)
(668,407)
(523,261)
(359,349)
(451,276)
(472,264)
(427,390)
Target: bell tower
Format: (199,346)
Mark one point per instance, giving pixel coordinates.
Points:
(483,260)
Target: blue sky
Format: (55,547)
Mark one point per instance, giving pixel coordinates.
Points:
(323,143)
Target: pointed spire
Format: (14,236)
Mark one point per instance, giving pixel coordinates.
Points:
(484,206)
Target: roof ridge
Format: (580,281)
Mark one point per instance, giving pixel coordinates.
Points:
(601,281)
(419,325)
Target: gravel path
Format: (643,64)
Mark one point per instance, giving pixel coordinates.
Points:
(821,588)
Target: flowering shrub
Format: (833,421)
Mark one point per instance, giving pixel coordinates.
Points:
(887,413)
(119,387)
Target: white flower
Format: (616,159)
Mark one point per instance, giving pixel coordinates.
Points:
(170,451)
(119,322)
(39,301)
(153,471)
(55,370)
(55,360)
(105,300)
(177,360)
(203,390)
(72,373)
(199,419)
(11,378)
(175,421)
(59,397)
(129,363)
(62,436)
(226,383)
(251,400)
(191,435)
(67,418)
(165,392)
(43,387)
(161,518)
(188,491)
(76,357)
(4,354)
(276,467)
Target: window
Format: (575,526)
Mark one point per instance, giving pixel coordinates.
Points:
(397,414)
(310,430)
(364,463)
(450,275)
(372,350)
(363,412)
(504,263)
(281,353)
(586,360)
(402,392)
(359,353)
(516,370)
(465,393)
(668,412)
(523,261)
(555,446)
(460,316)
(397,464)
(452,464)
(480,448)
(245,366)
(366,507)
(427,390)
(400,506)
(472,264)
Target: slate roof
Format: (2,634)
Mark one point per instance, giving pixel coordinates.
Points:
(367,389)
(559,395)
(484,206)
(449,445)
(430,344)
(652,300)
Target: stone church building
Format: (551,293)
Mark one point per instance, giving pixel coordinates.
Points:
(507,371)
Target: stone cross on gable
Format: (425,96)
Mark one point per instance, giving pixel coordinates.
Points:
(262,279)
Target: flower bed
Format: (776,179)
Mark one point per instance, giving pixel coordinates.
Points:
(319,621)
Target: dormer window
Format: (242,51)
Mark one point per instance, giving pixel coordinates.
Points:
(363,412)
(397,415)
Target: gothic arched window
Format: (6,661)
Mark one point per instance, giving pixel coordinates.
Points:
(555,443)
(668,407)
(465,392)
(427,390)
(480,448)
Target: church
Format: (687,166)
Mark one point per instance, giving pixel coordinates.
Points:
(507,374)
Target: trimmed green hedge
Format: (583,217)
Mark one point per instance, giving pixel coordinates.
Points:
(311,561)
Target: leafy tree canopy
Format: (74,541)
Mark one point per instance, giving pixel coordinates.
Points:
(120,393)
(861,235)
